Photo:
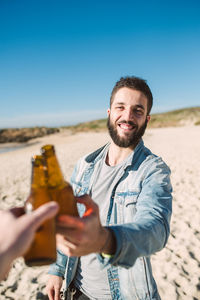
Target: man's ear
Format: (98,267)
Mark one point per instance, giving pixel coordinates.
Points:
(108,112)
(148,118)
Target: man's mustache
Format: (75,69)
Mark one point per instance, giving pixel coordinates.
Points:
(128,122)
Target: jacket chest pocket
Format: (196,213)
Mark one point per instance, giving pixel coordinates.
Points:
(125,206)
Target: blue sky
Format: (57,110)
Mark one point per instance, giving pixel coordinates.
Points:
(60,59)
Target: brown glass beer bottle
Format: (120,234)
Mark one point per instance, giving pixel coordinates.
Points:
(43,247)
(60,190)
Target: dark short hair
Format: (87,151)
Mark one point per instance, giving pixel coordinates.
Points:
(134,83)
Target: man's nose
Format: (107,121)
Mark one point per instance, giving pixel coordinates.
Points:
(128,114)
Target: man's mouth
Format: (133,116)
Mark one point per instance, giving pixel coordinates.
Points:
(126,126)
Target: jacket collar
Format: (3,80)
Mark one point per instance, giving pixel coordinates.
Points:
(96,155)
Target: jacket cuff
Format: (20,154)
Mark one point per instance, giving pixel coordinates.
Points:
(58,268)
(55,272)
(107,260)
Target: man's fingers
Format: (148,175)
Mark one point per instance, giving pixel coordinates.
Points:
(51,294)
(86,200)
(60,240)
(64,231)
(68,251)
(90,205)
(57,294)
(43,213)
(53,287)
(69,222)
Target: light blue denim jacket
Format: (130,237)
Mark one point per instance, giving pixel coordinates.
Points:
(139,215)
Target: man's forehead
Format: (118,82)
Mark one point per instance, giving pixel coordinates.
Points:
(130,96)
(138,105)
(129,91)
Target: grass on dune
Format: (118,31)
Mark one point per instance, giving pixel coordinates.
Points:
(179,117)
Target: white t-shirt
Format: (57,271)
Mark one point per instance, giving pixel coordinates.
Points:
(90,278)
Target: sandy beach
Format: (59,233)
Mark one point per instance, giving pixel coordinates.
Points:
(177,267)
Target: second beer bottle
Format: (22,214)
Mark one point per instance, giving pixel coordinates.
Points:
(60,190)
(43,248)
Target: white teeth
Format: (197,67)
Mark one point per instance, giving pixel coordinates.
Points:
(126,126)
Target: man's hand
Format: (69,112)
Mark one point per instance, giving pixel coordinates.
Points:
(81,236)
(17,231)
(53,287)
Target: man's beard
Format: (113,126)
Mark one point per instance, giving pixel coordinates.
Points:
(131,140)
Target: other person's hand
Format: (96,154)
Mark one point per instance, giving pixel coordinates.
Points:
(17,231)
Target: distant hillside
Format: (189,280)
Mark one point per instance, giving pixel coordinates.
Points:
(180,117)
(22,135)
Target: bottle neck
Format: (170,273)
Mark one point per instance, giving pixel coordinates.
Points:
(39,176)
(55,176)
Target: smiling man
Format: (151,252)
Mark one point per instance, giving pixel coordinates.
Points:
(128,119)
(126,191)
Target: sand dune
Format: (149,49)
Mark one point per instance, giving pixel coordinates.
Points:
(177,267)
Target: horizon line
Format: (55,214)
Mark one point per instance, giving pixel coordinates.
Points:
(38,124)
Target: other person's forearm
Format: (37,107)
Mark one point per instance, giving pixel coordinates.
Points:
(5,263)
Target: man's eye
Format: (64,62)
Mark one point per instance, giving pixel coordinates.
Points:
(139,112)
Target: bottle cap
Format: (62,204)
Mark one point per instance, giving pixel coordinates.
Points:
(37,160)
(47,150)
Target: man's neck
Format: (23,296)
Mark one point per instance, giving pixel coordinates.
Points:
(117,154)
